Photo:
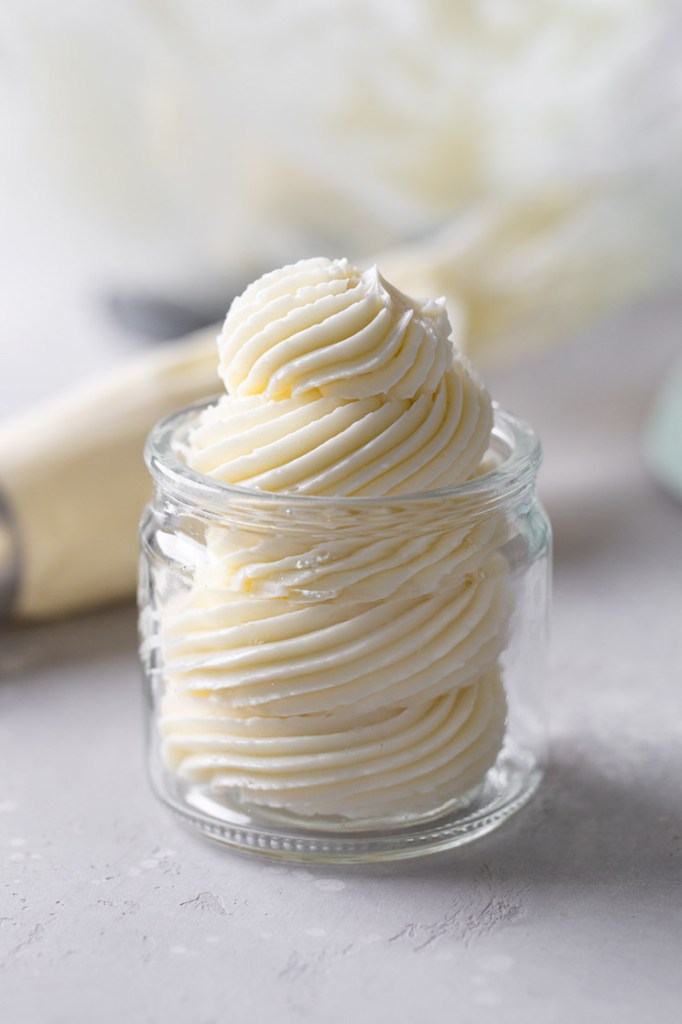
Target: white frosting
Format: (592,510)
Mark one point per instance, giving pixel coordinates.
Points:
(348,567)
(398,760)
(286,657)
(340,670)
(340,385)
(324,446)
(321,325)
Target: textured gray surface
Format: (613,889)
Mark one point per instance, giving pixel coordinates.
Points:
(111,911)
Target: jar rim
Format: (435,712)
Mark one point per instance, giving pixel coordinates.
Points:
(498,487)
(502,484)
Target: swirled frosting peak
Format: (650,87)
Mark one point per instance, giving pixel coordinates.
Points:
(340,385)
(322,326)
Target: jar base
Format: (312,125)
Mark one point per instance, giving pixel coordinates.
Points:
(508,786)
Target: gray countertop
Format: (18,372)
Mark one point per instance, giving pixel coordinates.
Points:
(112,911)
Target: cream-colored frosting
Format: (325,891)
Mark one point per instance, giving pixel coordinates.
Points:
(338,384)
(343,670)
(323,326)
(285,657)
(394,760)
(325,446)
(348,567)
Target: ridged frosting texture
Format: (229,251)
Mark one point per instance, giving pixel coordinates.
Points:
(370,447)
(323,326)
(340,385)
(285,657)
(339,670)
(395,760)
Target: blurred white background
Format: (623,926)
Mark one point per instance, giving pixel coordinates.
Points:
(522,158)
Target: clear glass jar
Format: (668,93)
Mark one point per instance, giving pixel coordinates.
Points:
(340,679)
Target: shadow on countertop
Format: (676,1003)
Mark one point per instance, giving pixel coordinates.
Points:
(581,828)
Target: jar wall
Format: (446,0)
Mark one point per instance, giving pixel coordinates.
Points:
(340,680)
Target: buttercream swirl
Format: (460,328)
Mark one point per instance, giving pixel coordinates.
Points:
(398,760)
(346,566)
(289,657)
(323,326)
(340,672)
(368,447)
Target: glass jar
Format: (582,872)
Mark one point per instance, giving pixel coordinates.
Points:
(342,679)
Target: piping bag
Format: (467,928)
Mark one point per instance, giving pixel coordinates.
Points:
(519,274)
(73,481)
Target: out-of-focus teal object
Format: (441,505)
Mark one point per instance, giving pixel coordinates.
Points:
(663,439)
